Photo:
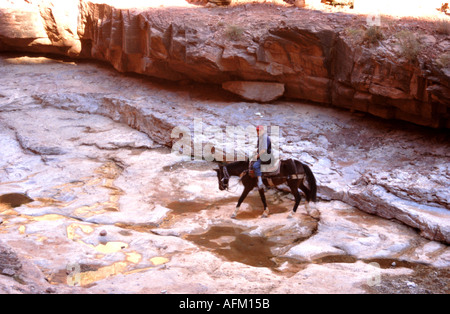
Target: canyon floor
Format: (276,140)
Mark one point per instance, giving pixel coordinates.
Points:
(92,200)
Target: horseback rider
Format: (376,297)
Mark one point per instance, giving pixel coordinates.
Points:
(263,153)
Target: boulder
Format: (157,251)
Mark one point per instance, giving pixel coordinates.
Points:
(255,91)
(9,262)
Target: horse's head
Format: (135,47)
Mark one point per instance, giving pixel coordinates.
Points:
(223,177)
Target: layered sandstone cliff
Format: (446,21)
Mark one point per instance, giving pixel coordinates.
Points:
(310,52)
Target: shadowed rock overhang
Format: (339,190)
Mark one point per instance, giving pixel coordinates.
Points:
(316,56)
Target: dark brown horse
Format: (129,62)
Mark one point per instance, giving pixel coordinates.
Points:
(292,172)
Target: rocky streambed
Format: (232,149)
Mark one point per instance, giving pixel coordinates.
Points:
(92,200)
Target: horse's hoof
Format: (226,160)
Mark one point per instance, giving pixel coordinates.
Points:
(233,216)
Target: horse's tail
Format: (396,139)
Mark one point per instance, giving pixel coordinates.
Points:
(311,183)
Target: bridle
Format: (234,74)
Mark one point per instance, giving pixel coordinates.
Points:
(226,175)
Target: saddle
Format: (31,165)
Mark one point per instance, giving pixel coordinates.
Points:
(268,171)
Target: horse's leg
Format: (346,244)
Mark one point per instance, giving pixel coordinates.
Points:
(293,185)
(314,213)
(244,194)
(306,192)
(263,199)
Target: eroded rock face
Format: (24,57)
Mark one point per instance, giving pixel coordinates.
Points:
(309,52)
(40,26)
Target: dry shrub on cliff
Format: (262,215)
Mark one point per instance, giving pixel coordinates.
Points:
(443,61)
(443,26)
(410,45)
(373,35)
(234,32)
(356,35)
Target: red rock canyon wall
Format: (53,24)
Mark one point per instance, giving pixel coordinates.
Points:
(311,56)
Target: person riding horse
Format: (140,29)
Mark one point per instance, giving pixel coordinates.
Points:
(264,150)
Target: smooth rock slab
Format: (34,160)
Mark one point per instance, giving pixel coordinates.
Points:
(255,91)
